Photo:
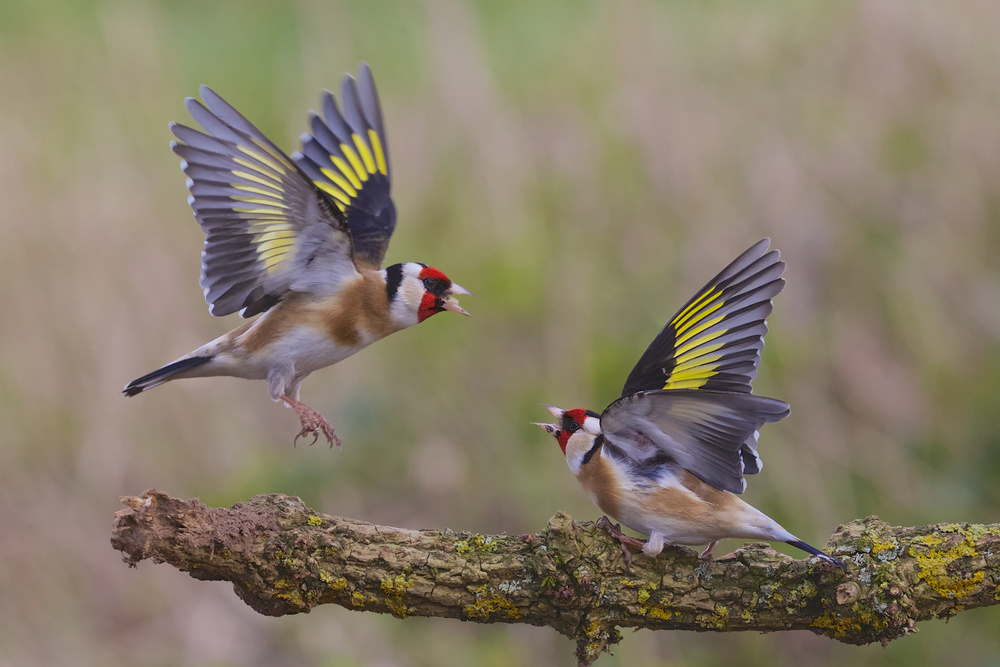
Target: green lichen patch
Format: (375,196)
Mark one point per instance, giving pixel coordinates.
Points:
(490,605)
(978,531)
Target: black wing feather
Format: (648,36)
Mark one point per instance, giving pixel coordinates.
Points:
(347,157)
(724,322)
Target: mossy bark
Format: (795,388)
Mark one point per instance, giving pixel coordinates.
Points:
(284,558)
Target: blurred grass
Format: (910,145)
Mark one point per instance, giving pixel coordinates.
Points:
(583,167)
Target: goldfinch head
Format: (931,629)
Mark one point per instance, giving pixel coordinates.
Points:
(571,422)
(417,291)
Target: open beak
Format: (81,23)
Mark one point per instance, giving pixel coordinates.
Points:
(458,289)
(556,412)
(548,428)
(451,303)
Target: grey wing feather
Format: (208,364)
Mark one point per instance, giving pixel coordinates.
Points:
(704,431)
(265,222)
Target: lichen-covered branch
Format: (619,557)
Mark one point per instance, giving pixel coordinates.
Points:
(284,558)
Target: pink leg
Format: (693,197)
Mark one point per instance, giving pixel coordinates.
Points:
(615,531)
(706,555)
(312,422)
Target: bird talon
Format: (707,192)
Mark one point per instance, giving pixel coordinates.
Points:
(331,436)
(615,531)
(306,430)
(312,422)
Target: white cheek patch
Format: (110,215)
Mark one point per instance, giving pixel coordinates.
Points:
(405,308)
(592,425)
(575,461)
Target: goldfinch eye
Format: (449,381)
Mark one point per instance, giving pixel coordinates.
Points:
(431,284)
(573,427)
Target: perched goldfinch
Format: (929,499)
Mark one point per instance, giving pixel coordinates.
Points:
(300,240)
(668,458)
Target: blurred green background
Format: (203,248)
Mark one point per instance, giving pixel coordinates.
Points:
(583,167)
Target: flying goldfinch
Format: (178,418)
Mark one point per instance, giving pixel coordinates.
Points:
(668,458)
(299,240)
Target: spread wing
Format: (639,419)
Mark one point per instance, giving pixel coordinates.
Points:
(268,228)
(347,157)
(704,431)
(714,341)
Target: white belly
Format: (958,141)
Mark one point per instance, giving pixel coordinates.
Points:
(297,353)
(309,349)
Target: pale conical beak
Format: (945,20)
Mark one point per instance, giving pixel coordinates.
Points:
(556,412)
(548,428)
(458,289)
(451,303)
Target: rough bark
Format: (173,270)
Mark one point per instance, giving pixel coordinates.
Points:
(284,558)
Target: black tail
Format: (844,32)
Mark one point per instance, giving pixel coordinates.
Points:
(799,544)
(161,375)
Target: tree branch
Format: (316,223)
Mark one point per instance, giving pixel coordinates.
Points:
(284,558)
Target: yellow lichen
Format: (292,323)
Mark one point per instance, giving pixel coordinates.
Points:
(491,604)
(357,599)
(888,546)
(289,591)
(315,520)
(721,616)
(839,626)
(660,613)
(594,630)
(835,625)
(978,531)
(934,561)
(647,608)
(599,637)
(394,590)
(476,543)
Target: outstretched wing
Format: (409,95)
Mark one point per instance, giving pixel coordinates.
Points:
(714,341)
(703,431)
(268,228)
(347,157)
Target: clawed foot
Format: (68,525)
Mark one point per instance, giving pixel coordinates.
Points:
(615,531)
(312,423)
(706,555)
